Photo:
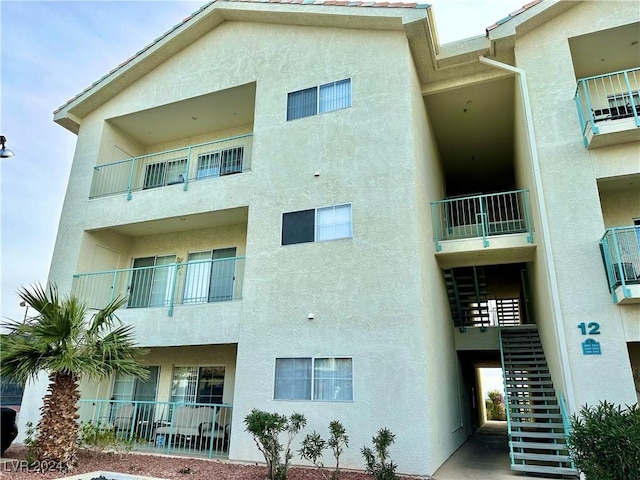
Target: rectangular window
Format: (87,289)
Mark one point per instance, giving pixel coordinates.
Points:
(222,162)
(164,173)
(151,281)
(197,384)
(210,276)
(314,100)
(327,379)
(316,225)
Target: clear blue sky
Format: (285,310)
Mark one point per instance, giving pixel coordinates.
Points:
(52,50)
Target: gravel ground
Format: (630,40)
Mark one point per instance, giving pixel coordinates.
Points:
(158,466)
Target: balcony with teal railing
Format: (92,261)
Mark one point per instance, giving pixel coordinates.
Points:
(500,222)
(169,428)
(199,282)
(620,249)
(609,108)
(180,166)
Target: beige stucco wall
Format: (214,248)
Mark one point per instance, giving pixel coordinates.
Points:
(377,297)
(620,207)
(573,206)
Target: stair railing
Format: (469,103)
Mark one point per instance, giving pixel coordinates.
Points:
(506,394)
(565,422)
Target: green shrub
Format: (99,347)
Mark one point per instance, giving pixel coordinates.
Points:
(266,429)
(311,449)
(313,445)
(31,443)
(96,437)
(377,460)
(605,442)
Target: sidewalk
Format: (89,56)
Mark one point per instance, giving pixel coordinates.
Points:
(484,456)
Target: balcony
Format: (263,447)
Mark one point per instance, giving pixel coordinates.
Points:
(483,229)
(164,286)
(170,428)
(620,249)
(179,166)
(609,108)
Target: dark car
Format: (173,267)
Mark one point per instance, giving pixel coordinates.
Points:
(8,428)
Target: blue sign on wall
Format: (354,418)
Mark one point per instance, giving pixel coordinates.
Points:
(591,347)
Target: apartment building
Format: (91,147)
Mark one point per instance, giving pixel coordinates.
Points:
(319,208)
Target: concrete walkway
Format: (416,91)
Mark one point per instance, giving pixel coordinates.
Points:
(484,456)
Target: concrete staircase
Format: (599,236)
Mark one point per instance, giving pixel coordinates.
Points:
(537,435)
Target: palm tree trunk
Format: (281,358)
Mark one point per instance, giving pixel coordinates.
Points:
(58,429)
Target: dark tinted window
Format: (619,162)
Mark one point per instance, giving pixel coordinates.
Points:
(298,227)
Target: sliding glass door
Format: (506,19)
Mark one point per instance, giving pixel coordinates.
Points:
(151,281)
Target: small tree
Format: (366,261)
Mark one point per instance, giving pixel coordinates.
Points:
(377,460)
(69,343)
(338,440)
(311,449)
(495,406)
(313,445)
(605,441)
(266,429)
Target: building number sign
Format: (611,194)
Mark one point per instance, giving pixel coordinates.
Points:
(590,346)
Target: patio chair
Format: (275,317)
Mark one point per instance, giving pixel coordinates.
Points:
(180,424)
(217,431)
(123,419)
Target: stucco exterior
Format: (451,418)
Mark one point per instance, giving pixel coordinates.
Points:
(418,129)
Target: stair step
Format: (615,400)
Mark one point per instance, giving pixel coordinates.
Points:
(538,425)
(535,398)
(532,389)
(516,407)
(536,415)
(529,376)
(544,469)
(516,362)
(549,435)
(524,383)
(539,445)
(542,458)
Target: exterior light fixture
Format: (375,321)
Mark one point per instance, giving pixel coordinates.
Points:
(5,152)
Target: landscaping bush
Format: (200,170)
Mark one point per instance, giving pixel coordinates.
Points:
(266,429)
(377,460)
(313,445)
(605,442)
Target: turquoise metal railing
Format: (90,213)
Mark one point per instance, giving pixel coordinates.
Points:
(506,394)
(620,249)
(178,166)
(172,428)
(482,216)
(604,98)
(565,421)
(195,282)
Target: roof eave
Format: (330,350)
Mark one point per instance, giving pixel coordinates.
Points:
(209,17)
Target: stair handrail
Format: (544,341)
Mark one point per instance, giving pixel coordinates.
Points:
(565,423)
(506,395)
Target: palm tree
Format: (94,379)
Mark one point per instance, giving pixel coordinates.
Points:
(69,343)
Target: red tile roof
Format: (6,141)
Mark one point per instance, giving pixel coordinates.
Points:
(513,14)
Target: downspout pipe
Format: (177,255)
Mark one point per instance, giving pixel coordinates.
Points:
(544,229)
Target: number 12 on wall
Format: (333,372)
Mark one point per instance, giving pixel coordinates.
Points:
(594,328)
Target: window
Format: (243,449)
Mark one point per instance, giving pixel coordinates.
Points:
(222,162)
(328,379)
(325,98)
(164,173)
(151,281)
(210,276)
(315,225)
(197,384)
